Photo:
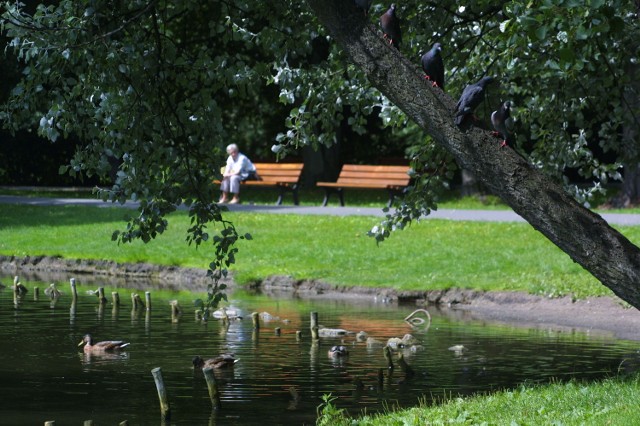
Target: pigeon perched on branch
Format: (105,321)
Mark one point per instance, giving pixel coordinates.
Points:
(391,27)
(471,97)
(433,66)
(364,5)
(503,123)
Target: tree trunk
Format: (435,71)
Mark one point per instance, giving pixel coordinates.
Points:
(582,234)
(469,184)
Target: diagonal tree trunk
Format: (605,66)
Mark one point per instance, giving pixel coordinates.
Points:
(582,234)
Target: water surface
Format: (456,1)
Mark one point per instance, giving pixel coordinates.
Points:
(279,379)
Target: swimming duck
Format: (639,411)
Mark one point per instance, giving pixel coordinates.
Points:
(222,361)
(338,351)
(105,346)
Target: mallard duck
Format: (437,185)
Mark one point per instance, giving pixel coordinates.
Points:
(105,346)
(338,351)
(222,361)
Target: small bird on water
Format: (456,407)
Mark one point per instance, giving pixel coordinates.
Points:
(221,361)
(104,346)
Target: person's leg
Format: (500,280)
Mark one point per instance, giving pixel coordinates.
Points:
(225,186)
(234,188)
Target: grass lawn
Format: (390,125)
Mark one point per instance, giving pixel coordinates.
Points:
(431,254)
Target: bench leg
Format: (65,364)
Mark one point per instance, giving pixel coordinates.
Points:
(280,196)
(392,195)
(294,191)
(341,196)
(327,193)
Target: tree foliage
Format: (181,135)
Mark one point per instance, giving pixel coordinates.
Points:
(155,89)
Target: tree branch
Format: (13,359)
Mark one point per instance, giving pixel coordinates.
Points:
(582,234)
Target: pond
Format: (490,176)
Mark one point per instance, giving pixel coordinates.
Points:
(278,379)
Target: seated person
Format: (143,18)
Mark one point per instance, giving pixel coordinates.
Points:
(238,169)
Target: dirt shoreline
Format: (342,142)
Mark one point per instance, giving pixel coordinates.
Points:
(606,316)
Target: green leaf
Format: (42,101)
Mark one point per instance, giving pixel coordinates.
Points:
(541,32)
(582,33)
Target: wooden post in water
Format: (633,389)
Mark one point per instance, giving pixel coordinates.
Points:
(406,368)
(277,331)
(256,320)
(298,335)
(387,356)
(314,326)
(138,301)
(176,311)
(213,388)
(36,293)
(134,303)
(16,291)
(165,410)
(147,298)
(101,299)
(74,291)
(124,423)
(88,423)
(50,423)
(115,298)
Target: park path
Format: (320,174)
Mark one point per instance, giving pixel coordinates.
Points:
(627,219)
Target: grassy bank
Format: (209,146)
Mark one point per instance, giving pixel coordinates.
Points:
(432,254)
(609,402)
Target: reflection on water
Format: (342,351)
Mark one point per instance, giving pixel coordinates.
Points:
(280,376)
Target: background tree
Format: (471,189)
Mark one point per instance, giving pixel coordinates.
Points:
(157,87)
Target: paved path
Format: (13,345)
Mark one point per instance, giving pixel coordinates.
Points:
(449,214)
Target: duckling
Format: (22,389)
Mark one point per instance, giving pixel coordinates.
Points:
(222,361)
(105,346)
(338,351)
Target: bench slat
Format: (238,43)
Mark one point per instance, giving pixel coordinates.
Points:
(376,168)
(374,176)
(393,178)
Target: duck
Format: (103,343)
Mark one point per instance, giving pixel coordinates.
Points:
(52,291)
(104,346)
(338,351)
(221,361)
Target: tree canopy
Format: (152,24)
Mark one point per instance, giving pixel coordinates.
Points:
(156,88)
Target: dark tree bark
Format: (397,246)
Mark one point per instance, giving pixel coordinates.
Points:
(582,234)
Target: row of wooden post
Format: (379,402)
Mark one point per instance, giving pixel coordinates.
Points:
(136,300)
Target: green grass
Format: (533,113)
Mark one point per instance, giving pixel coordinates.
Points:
(608,402)
(431,254)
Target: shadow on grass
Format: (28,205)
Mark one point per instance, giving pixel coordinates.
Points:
(19,215)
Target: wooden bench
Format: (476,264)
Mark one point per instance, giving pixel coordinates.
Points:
(392,178)
(283,176)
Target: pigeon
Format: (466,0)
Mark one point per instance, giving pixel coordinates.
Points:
(391,27)
(502,122)
(364,5)
(433,67)
(471,97)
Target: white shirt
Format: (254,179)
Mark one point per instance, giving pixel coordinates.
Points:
(242,165)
